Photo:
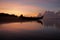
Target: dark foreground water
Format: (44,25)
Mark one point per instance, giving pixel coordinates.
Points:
(34,30)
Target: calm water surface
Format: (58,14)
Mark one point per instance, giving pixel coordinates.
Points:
(29,30)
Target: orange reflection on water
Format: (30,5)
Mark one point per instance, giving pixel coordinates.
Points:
(21,26)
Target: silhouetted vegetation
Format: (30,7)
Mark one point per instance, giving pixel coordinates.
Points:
(29,18)
(6,18)
(6,15)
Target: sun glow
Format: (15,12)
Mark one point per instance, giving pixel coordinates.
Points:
(18,9)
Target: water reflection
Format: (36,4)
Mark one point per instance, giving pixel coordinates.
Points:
(30,29)
(21,21)
(21,26)
(52,23)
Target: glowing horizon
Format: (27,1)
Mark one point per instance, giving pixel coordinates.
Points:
(28,7)
(26,10)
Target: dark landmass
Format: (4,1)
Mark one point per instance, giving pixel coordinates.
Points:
(29,18)
(6,18)
(4,15)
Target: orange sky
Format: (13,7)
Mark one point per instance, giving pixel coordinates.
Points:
(18,9)
(28,7)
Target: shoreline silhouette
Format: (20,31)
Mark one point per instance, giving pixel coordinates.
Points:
(6,18)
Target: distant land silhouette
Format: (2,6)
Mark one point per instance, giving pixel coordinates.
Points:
(48,16)
(29,18)
(6,18)
(4,15)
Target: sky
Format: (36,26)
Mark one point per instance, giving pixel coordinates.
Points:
(28,7)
